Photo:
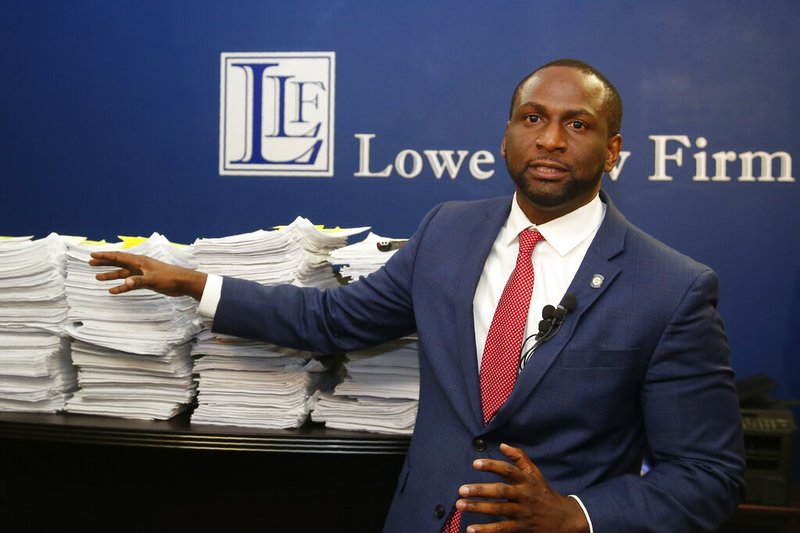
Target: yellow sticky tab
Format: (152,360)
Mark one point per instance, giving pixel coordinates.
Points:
(130,242)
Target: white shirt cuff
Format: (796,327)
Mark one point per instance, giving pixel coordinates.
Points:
(585,513)
(211,295)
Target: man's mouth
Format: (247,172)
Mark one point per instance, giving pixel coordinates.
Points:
(547,170)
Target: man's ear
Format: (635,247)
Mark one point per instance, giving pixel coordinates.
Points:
(503,143)
(612,155)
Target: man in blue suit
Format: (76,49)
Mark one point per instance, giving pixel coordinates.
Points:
(638,367)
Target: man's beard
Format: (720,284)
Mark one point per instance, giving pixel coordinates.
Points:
(570,188)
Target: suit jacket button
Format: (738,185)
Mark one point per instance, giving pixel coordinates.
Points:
(439,511)
(479,444)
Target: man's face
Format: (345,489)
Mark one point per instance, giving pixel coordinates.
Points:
(556,143)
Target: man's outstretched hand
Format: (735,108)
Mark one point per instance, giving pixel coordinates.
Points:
(142,272)
(524,499)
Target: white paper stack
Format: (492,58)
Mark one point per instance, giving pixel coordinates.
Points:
(380,392)
(128,385)
(36,374)
(298,253)
(315,270)
(253,384)
(134,352)
(32,284)
(362,258)
(246,383)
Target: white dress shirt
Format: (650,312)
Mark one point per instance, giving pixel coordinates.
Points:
(555,262)
(211,295)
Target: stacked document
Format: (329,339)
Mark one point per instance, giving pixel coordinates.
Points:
(248,383)
(32,284)
(380,392)
(127,385)
(381,389)
(298,253)
(133,352)
(36,374)
(365,257)
(253,384)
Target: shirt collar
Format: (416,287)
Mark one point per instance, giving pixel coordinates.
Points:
(563,233)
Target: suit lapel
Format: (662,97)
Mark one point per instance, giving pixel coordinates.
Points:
(483,234)
(595,275)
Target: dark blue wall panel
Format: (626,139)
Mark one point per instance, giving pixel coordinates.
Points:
(109,123)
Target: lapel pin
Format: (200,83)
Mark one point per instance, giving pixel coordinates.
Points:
(597,281)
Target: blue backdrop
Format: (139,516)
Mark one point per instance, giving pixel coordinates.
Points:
(110,124)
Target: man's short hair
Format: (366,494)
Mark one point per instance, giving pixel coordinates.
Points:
(612,97)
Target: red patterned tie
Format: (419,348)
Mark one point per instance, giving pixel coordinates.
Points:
(501,353)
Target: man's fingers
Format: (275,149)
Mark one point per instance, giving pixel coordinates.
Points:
(502,468)
(486,490)
(114,274)
(525,501)
(521,460)
(119,259)
(495,527)
(143,272)
(119,289)
(131,283)
(105,258)
(493,508)
(130,269)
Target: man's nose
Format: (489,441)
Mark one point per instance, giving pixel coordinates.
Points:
(551,138)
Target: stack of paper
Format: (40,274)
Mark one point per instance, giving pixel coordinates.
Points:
(315,269)
(134,352)
(298,253)
(365,257)
(249,383)
(32,284)
(380,392)
(381,389)
(128,385)
(35,369)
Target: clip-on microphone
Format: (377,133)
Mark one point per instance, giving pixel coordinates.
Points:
(552,318)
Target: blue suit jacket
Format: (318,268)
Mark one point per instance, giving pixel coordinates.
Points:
(640,366)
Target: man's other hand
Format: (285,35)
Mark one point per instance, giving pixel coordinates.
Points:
(523,500)
(142,272)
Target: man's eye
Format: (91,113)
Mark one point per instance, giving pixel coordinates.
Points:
(533,118)
(577,125)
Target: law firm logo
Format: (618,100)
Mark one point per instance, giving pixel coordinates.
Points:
(276,113)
